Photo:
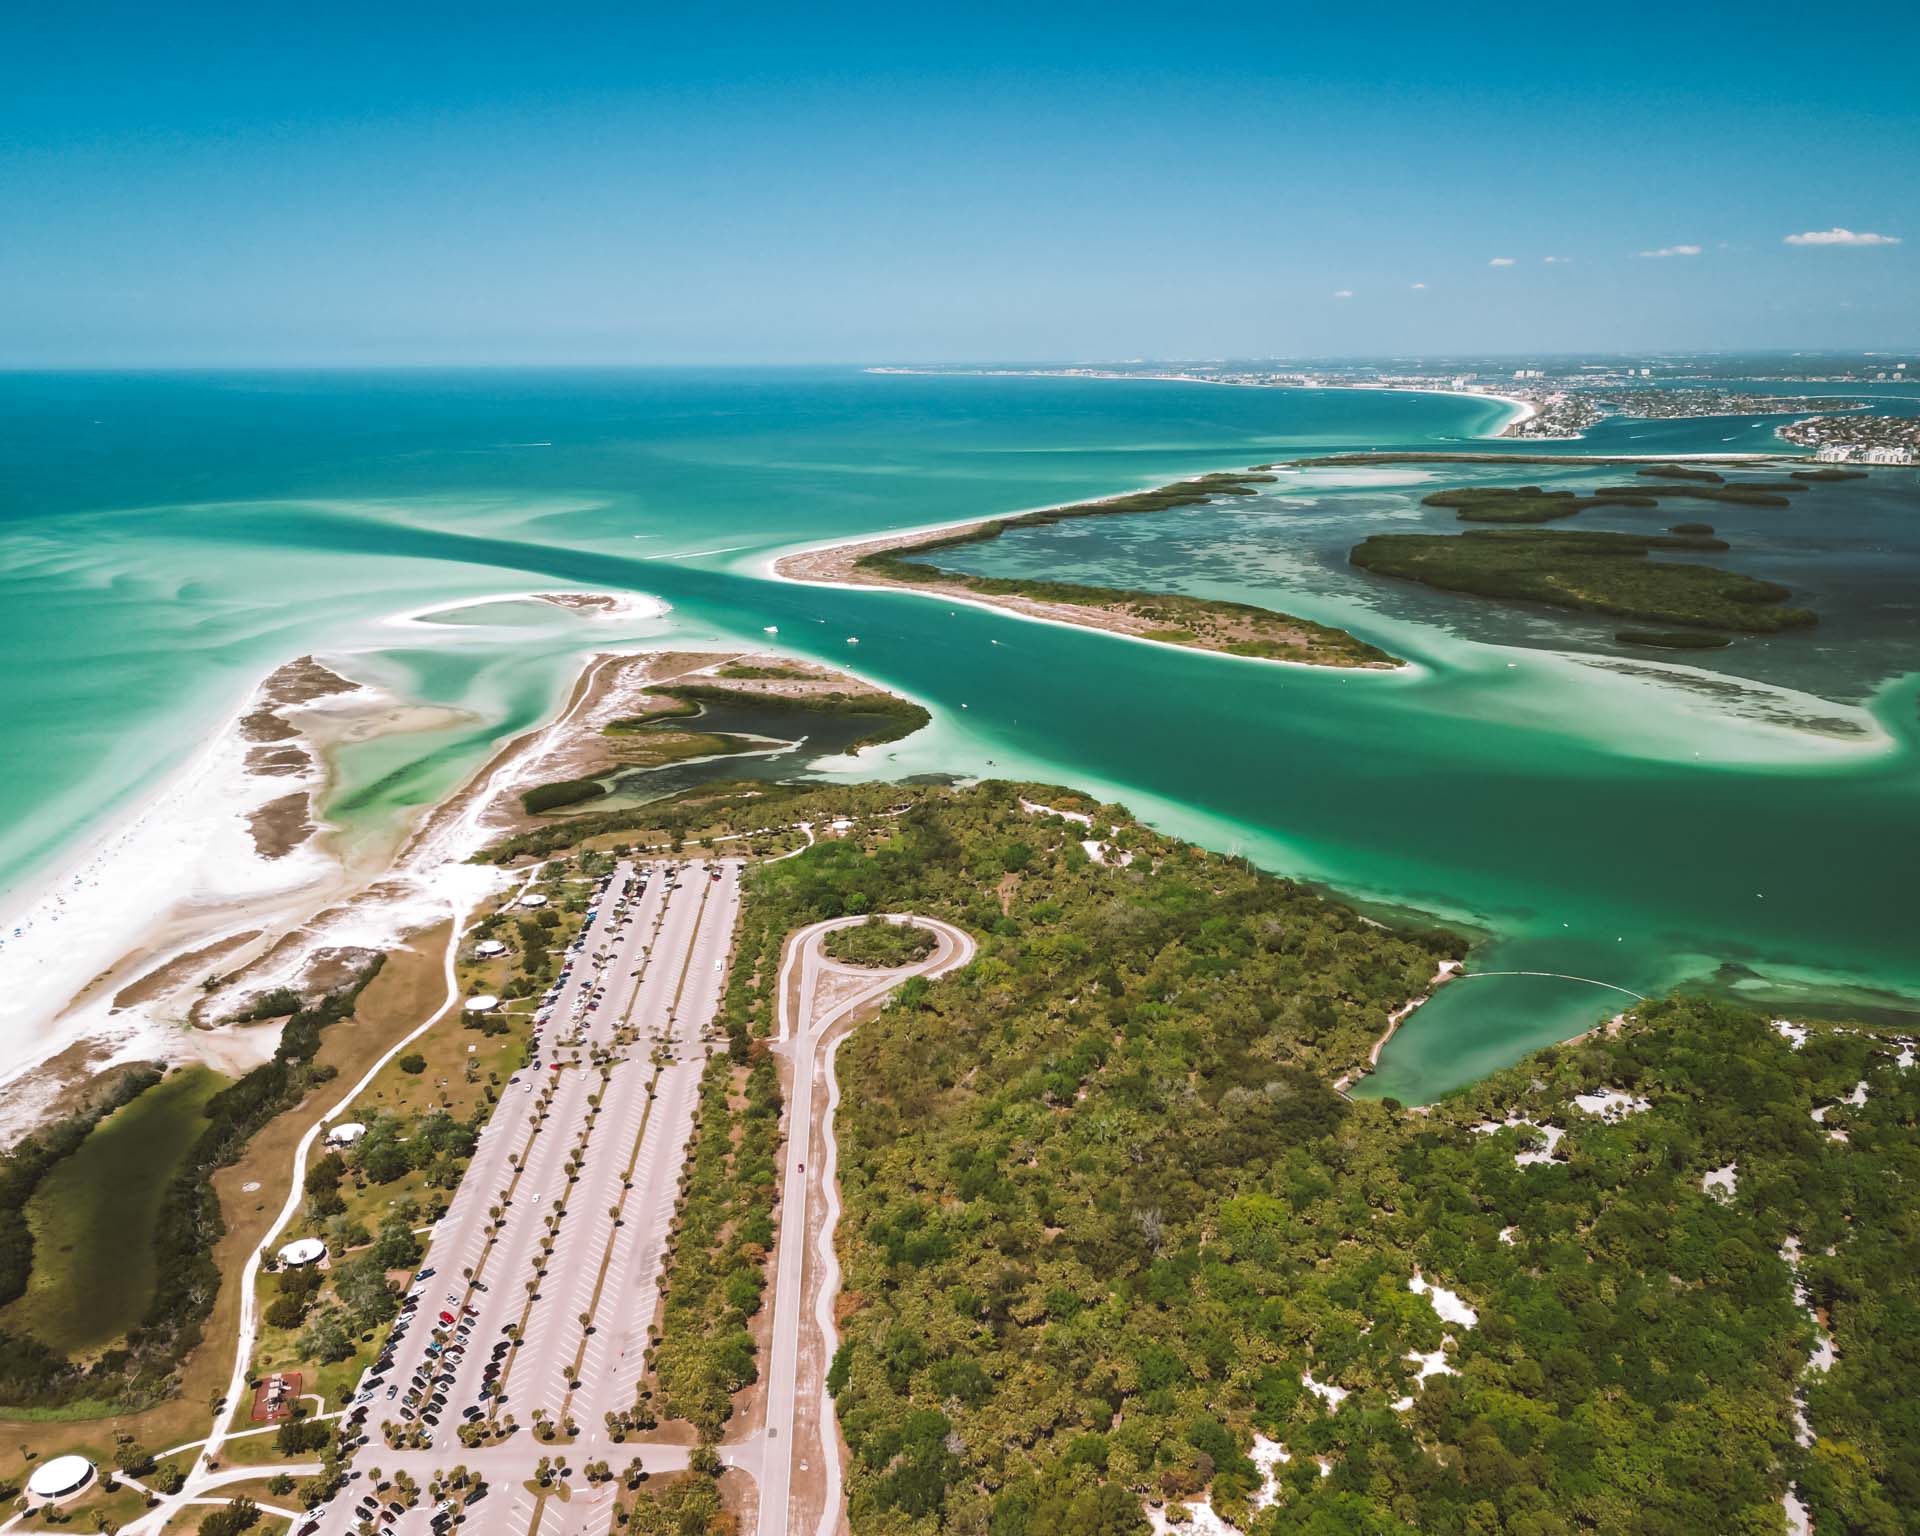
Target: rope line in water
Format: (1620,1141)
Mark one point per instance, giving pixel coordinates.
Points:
(1556,975)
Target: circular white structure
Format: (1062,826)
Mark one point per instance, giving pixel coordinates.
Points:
(303,1251)
(486,1002)
(60,1478)
(488,948)
(533,900)
(346,1133)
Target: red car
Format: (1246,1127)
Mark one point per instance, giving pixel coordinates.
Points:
(446,1317)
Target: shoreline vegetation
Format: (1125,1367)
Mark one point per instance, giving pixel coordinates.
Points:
(1588,571)
(1603,572)
(1195,623)
(1584,572)
(1532,504)
(648,724)
(1424,456)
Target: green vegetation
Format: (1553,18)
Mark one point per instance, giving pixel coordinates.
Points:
(1560,460)
(1125,1287)
(671,820)
(898,717)
(679,710)
(1241,629)
(231,1519)
(1674,639)
(276,1003)
(1692,530)
(22,1171)
(681,1504)
(880,944)
(753,670)
(1161,498)
(724,1232)
(189,1223)
(1681,472)
(549,797)
(1593,572)
(1104,1216)
(93,1217)
(658,746)
(1207,623)
(1750,493)
(1529,503)
(654,739)
(1829,473)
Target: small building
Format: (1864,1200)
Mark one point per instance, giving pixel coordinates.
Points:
(302,1252)
(486,949)
(55,1481)
(484,1002)
(533,899)
(346,1133)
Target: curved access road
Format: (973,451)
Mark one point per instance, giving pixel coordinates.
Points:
(820,1000)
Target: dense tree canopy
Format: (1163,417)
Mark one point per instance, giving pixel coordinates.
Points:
(1106,1221)
(1113,1243)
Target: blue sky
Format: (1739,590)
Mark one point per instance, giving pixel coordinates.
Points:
(207,184)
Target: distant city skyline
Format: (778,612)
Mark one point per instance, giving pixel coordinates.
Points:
(210,185)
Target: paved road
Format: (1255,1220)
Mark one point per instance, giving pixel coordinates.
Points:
(627,1028)
(798,1449)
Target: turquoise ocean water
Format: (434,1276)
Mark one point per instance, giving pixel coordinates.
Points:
(169,538)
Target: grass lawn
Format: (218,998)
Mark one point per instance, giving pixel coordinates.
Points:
(259,1450)
(93,1217)
(409,988)
(462,1067)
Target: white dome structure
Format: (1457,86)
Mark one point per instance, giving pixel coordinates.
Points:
(59,1479)
(346,1133)
(533,900)
(486,1002)
(486,949)
(303,1251)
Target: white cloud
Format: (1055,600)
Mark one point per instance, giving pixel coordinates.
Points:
(1418,286)
(1343,293)
(1501,261)
(1556,261)
(1839,236)
(1674,250)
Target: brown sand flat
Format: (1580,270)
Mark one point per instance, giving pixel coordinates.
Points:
(179,970)
(281,825)
(581,602)
(278,761)
(300,681)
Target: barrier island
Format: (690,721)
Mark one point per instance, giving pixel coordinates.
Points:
(1208,624)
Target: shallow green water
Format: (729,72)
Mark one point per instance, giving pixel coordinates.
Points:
(168,539)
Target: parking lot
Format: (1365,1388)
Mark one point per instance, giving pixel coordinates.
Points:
(538,1286)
